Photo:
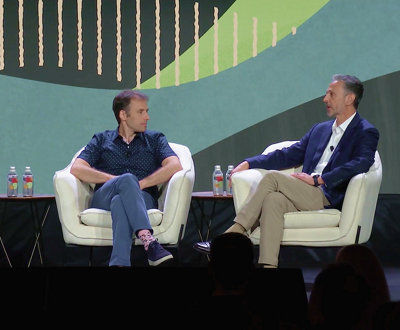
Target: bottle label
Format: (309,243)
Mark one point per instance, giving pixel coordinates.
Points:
(12,185)
(13,182)
(218,181)
(218,184)
(28,182)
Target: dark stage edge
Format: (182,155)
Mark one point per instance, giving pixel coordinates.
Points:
(169,296)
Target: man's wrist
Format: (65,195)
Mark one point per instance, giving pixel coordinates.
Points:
(316,177)
(141,184)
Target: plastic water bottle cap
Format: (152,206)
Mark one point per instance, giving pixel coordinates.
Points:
(217,167)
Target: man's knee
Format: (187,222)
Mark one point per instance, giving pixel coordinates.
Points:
(275,199)
(127,179)
(276,203)
(273,175)
(275,181)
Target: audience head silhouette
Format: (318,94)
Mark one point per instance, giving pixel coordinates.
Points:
(365,262)
(231,262)
(387,316)
(339,298)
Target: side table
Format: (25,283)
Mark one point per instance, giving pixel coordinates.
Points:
(37,219)
(199,199)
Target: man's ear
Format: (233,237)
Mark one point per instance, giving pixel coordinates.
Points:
(122,115)
(350,98)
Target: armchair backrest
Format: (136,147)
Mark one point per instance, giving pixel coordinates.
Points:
(279,146)
(85,190)
(73,196)
(176,195)
(360,200)
(359,204)
(186,160)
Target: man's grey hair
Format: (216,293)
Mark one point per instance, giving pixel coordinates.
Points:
(353,85)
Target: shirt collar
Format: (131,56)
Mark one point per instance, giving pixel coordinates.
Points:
(342,127)
(115,135)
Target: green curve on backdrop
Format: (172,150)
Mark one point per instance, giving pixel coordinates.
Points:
(286,13)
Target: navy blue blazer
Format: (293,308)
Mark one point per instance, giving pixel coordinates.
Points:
(354,154)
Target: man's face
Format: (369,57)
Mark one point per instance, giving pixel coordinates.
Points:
(336,98)
(136,115)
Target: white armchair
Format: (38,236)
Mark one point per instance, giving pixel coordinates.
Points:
(327,227)
(82,225)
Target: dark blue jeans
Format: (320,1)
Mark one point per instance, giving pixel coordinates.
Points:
(128,205)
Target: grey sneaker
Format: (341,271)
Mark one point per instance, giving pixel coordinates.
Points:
(156,254)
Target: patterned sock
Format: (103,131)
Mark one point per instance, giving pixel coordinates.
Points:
(146,237)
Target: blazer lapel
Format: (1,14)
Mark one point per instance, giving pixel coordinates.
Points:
(343,141)
(323,141)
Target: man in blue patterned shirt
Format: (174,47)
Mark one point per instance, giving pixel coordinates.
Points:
(126,165)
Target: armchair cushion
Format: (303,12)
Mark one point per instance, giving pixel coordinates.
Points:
(102,218)
(312,219)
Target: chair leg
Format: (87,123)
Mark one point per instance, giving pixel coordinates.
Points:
(358,234)
(90,256)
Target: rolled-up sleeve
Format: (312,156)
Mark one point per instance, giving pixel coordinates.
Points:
(92,151)
(163,148)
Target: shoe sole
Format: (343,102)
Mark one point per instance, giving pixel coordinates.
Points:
(159,261)
(202,250)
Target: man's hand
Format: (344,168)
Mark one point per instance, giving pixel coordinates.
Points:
(169,167)
(307,178)
(84,172)
(241,167)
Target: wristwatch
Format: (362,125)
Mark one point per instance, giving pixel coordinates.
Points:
(315,177)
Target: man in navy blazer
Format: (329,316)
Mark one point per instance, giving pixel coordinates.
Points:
(331,153)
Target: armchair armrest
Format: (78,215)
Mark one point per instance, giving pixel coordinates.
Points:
(72,197)
(243,183)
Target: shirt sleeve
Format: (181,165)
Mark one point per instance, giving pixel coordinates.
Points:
(92,151)
(163,148)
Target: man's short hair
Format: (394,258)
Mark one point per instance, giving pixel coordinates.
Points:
(352,85)
(122,100)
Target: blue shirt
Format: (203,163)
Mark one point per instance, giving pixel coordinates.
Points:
(108,152)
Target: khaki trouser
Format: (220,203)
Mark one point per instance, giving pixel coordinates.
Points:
(276,194)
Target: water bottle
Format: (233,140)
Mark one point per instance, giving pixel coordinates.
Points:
(12,182)
(28,182)
(228,184)
(218,181)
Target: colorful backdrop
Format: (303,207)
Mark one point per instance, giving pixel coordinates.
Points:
(224,77)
